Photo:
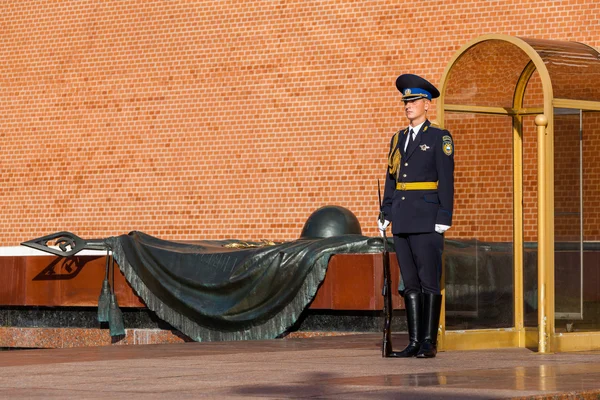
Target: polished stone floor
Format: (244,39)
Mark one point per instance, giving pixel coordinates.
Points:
(341,367)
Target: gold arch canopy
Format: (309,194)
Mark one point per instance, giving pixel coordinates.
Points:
(524,114)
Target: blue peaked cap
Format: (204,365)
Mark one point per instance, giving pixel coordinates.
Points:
(414,87)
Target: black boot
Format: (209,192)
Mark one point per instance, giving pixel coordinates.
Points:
(432,305)
(413,315)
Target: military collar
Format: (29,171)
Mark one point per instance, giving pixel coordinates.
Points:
(422,127)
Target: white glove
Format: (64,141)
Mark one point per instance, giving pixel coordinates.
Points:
(441,228)
(382,226)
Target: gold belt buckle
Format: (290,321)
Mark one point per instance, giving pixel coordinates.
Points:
(403,186)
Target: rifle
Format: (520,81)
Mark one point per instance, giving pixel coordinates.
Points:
(386,292)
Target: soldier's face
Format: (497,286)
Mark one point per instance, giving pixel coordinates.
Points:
(416,110)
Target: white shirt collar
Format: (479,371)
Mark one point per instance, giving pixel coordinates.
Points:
(416,129)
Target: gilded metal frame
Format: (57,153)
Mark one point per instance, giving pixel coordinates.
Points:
(544,338)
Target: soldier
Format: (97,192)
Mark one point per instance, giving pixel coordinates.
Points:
(418,201)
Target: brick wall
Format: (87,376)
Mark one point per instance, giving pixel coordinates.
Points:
(218,119)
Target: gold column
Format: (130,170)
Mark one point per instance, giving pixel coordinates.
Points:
(541,121)
(518,306)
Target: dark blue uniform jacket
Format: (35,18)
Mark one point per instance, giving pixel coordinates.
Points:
(430,158)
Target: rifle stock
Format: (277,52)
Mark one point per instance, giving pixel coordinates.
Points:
(386,347)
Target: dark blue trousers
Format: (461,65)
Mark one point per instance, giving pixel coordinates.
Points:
(420,259)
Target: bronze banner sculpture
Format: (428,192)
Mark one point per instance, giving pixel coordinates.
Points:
(215,290)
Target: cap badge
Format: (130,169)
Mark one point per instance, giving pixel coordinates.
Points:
(407,92)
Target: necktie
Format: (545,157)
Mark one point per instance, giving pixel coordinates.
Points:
(409,140)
